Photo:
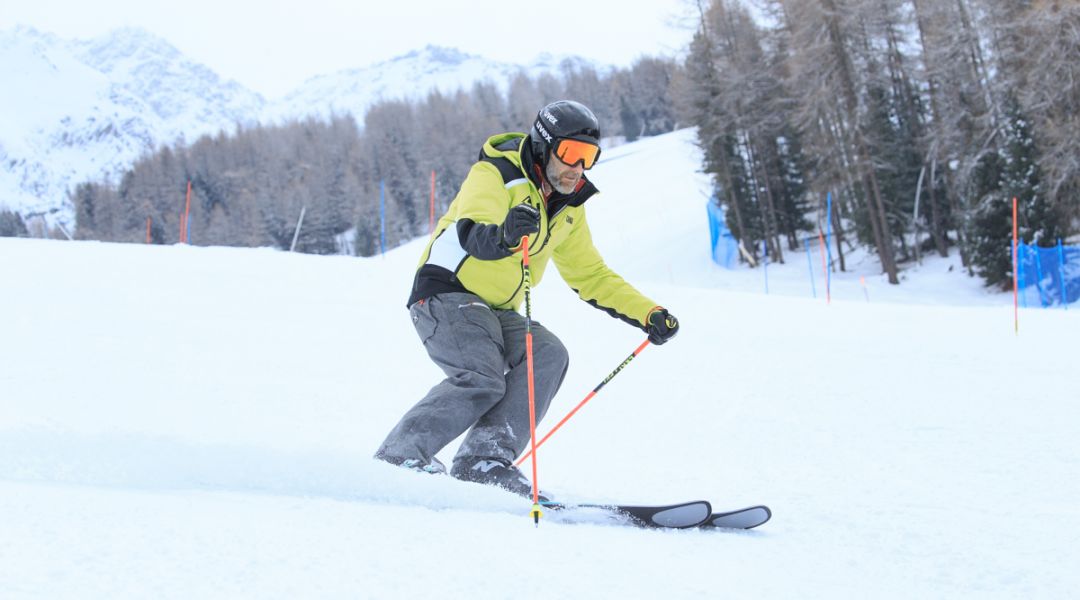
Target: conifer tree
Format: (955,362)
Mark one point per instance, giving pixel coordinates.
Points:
(12,224)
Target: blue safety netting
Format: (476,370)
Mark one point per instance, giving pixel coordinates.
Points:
(725,250)
(1045,276)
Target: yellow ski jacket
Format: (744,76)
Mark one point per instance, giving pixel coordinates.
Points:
(465,253)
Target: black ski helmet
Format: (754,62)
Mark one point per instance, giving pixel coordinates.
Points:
(562,119)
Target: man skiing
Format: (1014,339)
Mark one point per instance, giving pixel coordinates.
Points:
(469,286)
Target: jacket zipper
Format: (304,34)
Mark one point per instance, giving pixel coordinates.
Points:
(521,282)
(547,231)
(521,264)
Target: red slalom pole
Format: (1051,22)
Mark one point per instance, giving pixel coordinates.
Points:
(587,398)
(536,512)
(1016,291)
(187,214)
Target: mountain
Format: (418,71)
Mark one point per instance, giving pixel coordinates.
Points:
(87,110)
(82,110)
(412,76)
(182,94)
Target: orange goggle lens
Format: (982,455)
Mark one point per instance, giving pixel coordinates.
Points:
(573,152)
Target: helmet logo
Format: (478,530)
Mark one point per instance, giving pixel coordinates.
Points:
(540,127)
(550,117)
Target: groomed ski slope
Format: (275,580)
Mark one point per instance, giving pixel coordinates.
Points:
(186,422)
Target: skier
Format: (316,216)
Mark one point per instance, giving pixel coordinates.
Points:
(469,286)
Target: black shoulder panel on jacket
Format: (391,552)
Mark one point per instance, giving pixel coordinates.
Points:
(507,169)
(509,145)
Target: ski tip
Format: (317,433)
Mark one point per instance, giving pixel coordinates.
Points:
(744,518)
(676,516)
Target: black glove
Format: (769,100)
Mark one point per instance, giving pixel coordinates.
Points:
(662,326)
(522,220)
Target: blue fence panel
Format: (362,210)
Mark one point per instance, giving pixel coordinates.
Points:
(1046,276)
(725,250)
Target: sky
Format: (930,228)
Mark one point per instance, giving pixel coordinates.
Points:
(271,46)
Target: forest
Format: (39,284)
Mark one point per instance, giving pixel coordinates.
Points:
(920,119)
(250,185)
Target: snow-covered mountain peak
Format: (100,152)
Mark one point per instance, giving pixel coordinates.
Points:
(150,68)
(27,34)
(546,61)
(409,76)
(435,54)
(124,46)
(87,109)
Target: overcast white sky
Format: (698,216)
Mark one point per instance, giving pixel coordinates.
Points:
(271,46)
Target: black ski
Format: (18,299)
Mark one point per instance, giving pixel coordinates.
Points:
(671,516)
(683,515)
(744,518)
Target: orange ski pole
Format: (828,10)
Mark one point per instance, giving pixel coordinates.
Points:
(587,398)
(536,512)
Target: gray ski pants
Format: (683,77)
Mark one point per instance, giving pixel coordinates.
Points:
(482,352)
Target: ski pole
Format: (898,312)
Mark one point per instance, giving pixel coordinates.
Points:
(535,512)
(587,398)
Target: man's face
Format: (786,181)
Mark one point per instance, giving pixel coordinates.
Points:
(563,177)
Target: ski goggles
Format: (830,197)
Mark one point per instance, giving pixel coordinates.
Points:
(572,152)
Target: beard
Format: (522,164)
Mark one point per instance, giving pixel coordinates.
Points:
(564,184)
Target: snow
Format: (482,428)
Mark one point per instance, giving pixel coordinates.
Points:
(187,422)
